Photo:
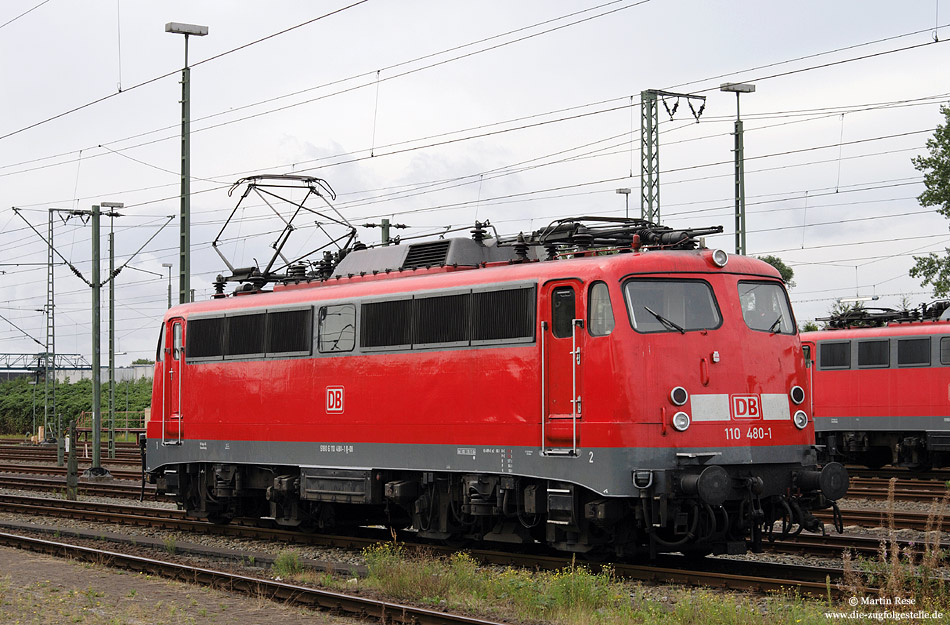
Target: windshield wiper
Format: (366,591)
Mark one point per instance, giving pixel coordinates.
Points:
(776,325)
(665,321)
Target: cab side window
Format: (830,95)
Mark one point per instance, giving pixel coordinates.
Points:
(600,314)
(160,351)
(176,344)
(562,311)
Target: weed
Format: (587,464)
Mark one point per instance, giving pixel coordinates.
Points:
(897,572)
(92,597)
(171,544)
(287,564)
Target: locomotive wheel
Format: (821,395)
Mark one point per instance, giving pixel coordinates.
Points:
(876,457)
(457,541)
(697,554)
(219,518)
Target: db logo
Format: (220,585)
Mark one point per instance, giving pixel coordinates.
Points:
(334,399)
(746,407)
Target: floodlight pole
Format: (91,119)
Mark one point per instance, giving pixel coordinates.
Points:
(169,267)
(739,88)
(184,254)
(625,192)
(112,336)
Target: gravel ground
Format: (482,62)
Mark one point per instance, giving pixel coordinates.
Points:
(311,552)
(41,590)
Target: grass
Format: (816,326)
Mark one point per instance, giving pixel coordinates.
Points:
(170,544)
(904,573)
(287,564)
(574,595)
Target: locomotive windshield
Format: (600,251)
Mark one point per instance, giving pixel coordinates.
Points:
(671,305)
(765,307)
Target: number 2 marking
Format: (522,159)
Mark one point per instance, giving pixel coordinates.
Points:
(591,458)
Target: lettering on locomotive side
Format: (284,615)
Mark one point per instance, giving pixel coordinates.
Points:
(746,407)
(335,399)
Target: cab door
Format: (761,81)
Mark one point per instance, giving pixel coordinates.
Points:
(174,359)
(562,339)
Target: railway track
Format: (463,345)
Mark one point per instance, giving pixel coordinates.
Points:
(350,605)
(735,575)
(881,518)
(47,469)
(904,489)
(118,489)
(871,488)
(50,457)
(939,475)
(831,545)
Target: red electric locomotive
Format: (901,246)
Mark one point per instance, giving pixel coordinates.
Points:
(629,393)
(880,383)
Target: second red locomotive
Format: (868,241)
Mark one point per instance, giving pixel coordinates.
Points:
(646,396)
(881,386)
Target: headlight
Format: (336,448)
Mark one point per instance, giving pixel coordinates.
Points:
(679,396)
(720,258)
(797,394)
(680,421)
(800,419)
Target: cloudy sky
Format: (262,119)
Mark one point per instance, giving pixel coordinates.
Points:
(438,113)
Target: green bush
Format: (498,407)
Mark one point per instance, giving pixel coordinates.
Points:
(18,399)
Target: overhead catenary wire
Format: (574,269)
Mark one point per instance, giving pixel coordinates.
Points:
(25,13)
(838,145)
(306,23)
(517,30)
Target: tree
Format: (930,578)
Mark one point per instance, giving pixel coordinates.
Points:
(787,272)
(934,269)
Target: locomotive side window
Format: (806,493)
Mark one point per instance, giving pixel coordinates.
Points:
(289,331)
(601,314)
(765,307)
(176,344)
(874,353)
(945,350)
(205,338)
(671,305)
(451,320)
(563,311)
(159,353)
(386,324)
(506,314)
(441,319)
(245,335)
(834,355)
(337,329)
(913,352)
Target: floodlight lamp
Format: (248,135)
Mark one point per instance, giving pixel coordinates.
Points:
(186,29)
(111,205)
(624,191)
(737,87)
(856,300)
